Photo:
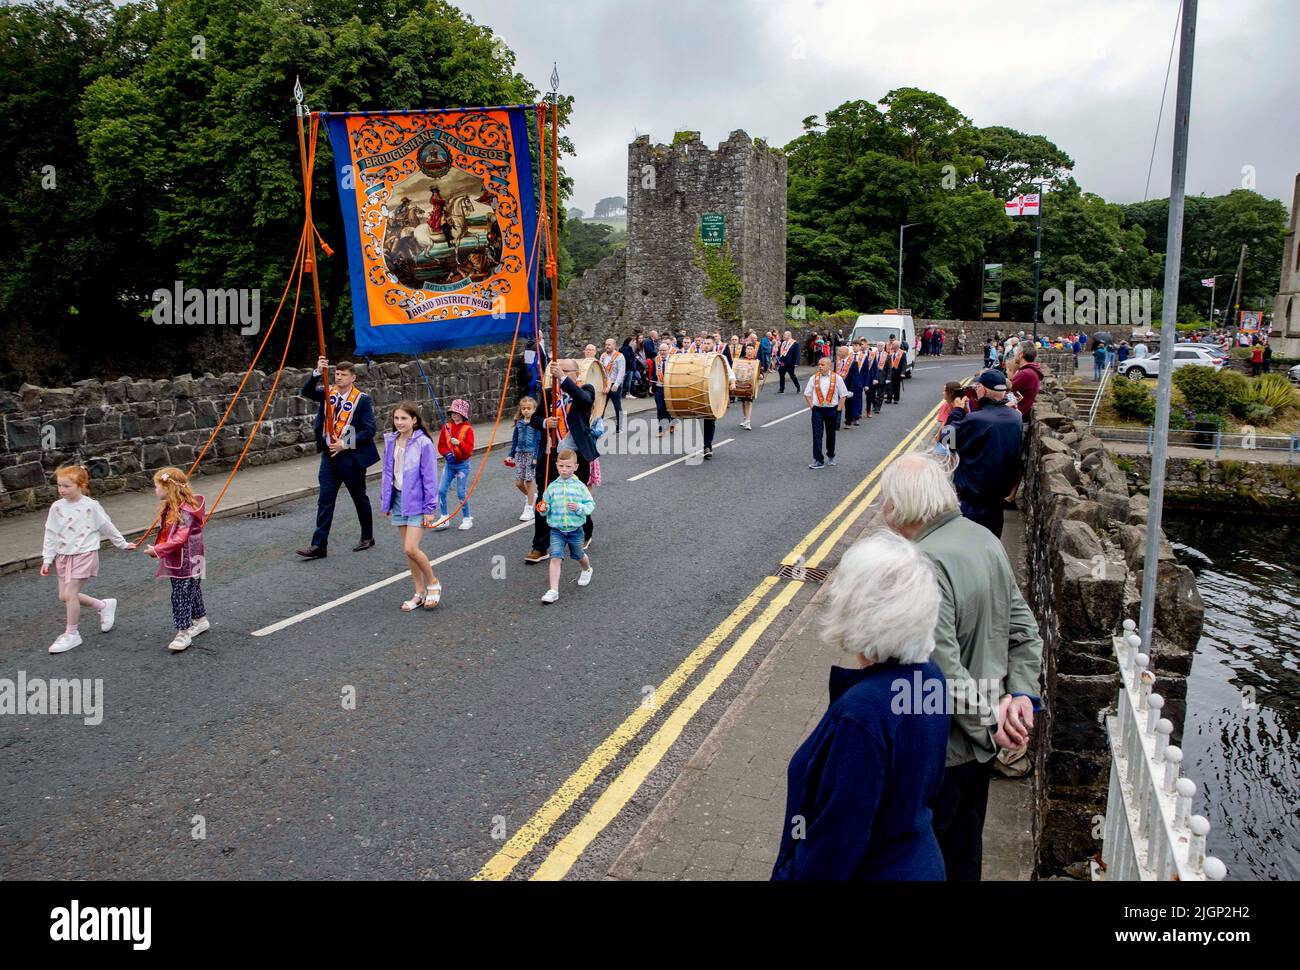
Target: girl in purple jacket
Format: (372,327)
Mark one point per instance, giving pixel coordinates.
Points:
(409,493)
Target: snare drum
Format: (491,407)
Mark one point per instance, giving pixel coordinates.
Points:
(695,386)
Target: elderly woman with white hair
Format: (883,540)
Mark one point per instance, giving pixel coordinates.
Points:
(858,803)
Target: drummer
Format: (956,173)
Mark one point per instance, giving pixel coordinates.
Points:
(710,424)
(756,376)
(658,366)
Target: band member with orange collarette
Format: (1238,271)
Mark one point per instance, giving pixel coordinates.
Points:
(895,364)
(658,367)
(846,369)
(710,424)
(825,394)
(785,356)
(347,449)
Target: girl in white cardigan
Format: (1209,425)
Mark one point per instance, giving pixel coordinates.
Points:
(73,532)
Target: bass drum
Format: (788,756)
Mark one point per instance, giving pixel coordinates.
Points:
(748,379)
(590,372)
(695,386)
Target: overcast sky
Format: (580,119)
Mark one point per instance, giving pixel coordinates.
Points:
(1085,73)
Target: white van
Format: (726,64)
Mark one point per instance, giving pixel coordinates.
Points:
(878,327)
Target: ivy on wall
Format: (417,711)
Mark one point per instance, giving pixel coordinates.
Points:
(722,284)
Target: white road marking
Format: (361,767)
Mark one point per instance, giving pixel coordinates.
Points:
(404,574)
(675,461)
(786,418)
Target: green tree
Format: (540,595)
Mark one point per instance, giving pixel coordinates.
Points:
(181,158)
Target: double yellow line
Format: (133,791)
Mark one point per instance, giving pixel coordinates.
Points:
(617,794)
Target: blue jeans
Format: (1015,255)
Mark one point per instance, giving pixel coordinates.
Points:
(571,540)
(1097,368)
(458,470)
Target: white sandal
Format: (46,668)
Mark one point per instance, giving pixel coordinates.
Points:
(414,603)
(432,596)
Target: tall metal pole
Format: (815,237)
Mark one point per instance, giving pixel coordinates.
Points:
(901,229)
(1038,258)
(1168,322)
(1213,280)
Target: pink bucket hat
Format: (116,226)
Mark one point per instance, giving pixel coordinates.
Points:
(461,407)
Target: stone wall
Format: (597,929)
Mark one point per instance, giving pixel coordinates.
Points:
(1086,538)
(125,430)
(1272,487)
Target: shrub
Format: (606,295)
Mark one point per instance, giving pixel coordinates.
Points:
(1257,413)
(1203,390)
(1270,390)
(1131,400)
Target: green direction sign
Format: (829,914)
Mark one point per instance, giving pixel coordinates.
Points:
(712,228)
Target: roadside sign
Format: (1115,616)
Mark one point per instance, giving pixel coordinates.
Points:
(712,228)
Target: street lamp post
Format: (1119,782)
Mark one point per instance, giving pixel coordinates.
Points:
(901,229)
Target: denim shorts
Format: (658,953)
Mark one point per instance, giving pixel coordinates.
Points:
(398,518)
(572,540)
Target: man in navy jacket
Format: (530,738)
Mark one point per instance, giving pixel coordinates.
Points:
(786,355)
(345,453)
(988,443)
(574,424)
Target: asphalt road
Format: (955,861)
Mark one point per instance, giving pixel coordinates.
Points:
(466,718)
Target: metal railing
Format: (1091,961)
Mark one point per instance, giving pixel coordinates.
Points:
(1101,390)
(1206,440)
(1150,832)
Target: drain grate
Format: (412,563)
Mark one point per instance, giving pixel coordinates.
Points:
(264,514)
(807,574)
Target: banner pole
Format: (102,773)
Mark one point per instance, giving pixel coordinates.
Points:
(309,255)
(555,225)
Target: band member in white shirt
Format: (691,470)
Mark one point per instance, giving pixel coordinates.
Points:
(614,364)
(826,394)
(710,424)
(658,366)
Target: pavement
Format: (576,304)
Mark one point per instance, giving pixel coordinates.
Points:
(318,732)
(1270,456)
(722,818)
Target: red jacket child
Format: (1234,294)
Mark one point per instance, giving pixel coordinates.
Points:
(460,429)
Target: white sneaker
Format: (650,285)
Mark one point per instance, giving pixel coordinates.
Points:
(183,640)
(66,641)
(746,425)
(107,616)
(550,596)
(201,625)
(584,577)
(526,515)
(444,524)
(467,523)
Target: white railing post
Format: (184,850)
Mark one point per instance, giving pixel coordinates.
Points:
(1150,832)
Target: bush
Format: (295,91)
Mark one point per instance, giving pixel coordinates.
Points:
(1257,414)
(1131,400)
(1270,390)
(1205,391)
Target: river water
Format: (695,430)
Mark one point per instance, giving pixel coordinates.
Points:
(1241,738)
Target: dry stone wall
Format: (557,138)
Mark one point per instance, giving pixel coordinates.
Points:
(1086,536)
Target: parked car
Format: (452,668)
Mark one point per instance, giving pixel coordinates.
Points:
(1212,348)
(1294,374)
(1138,368)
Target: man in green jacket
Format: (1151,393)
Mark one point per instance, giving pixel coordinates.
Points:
(986,643)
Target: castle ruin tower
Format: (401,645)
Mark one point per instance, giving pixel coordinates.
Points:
(681,194)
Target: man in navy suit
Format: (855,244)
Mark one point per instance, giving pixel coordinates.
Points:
(346,450)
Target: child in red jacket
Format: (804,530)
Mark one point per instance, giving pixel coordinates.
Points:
(456,444)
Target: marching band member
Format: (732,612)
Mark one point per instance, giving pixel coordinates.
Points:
(847,371)
(894,371)
(786,356)
(711,424)
(658,370)
(825,394)
(614,364)
(756,376)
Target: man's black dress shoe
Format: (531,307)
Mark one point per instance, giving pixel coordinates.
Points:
(363,544)
(312,552)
